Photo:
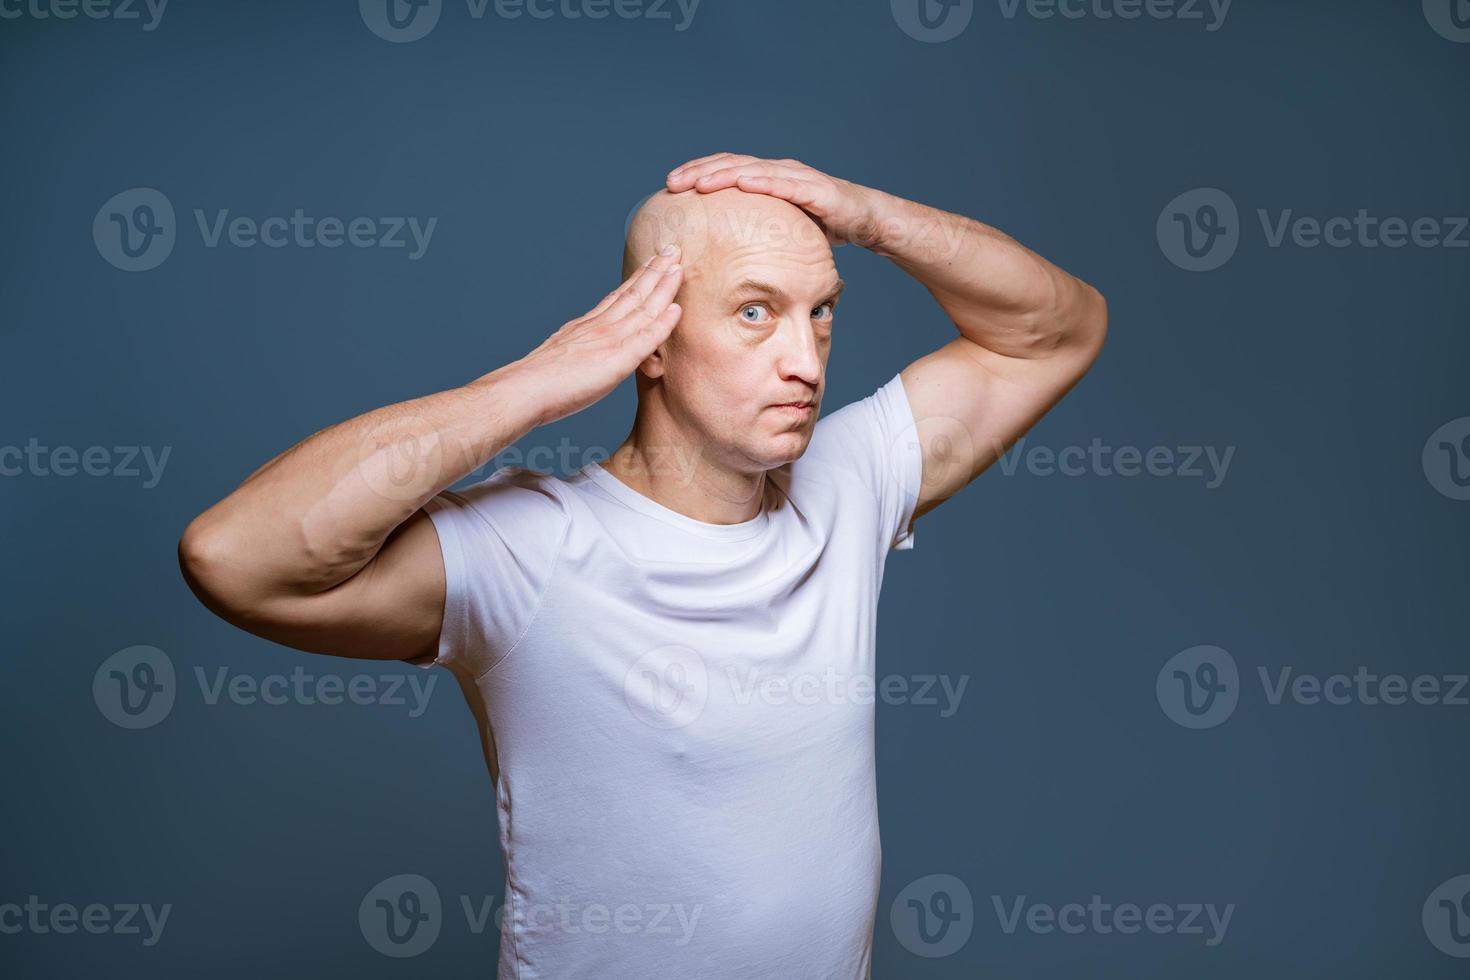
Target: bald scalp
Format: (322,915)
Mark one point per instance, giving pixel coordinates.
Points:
(707,227)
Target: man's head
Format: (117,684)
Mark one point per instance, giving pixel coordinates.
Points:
(757,297)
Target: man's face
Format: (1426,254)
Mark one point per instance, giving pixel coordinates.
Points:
(758,297)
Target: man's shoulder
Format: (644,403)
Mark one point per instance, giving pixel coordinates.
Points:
(512,478)
(511,494)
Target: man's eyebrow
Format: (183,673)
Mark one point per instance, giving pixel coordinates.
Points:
(776,292)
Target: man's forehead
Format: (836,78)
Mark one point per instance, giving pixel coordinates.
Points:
(778,272)
(761,239)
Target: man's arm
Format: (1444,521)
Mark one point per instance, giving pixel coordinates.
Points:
(1028,330)
(325,548)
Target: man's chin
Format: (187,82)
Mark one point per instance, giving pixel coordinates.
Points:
(787,447)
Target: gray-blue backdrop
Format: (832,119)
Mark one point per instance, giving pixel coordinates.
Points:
(1176,689)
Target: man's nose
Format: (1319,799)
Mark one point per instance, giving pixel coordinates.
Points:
(801,357)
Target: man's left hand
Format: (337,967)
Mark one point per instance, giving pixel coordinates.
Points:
(846,211)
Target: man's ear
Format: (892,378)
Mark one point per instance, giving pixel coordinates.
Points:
(652,366)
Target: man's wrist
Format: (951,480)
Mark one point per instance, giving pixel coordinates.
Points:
(916,235)
(886,215)
(516,394)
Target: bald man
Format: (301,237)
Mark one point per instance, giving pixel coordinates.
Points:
(669,654)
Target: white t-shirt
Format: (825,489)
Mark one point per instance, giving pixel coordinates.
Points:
(678,716)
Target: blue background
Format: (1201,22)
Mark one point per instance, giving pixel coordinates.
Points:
(1059,777)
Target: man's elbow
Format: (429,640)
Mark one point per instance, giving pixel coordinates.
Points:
(1079,325)
(209,564)
(198,557)
(1092,323)
(1073,325)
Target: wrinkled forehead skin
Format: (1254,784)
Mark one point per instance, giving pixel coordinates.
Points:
(722,230)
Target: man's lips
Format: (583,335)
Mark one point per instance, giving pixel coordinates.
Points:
(796,408)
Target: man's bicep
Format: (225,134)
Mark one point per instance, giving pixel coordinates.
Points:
(970,405)
(391,609)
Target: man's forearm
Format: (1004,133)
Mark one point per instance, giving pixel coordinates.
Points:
(316,514)
(1000,294)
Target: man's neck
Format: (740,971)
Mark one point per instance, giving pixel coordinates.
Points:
(679,476)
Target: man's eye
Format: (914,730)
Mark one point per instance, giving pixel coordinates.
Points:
(753,313)
(822,312)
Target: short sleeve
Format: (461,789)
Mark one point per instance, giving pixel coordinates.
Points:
(500,540)
(875,439)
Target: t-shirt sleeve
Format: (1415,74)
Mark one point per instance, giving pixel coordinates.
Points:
(875,439)
(500,540)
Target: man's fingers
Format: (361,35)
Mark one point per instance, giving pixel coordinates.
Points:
(695,169)
(663,324)
(637,293)
(644,282)
(611,297)
(649,333)
(657,300)
(663,292)
(688,164)
(723,177)
(693,165)
(802,193)
(640,282)
(699,173)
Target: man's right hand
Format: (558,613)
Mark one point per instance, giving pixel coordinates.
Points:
(591,355)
